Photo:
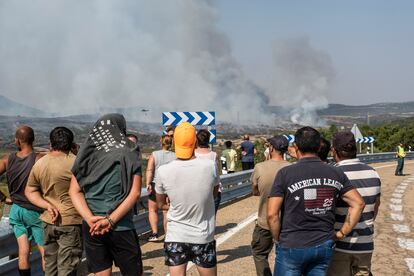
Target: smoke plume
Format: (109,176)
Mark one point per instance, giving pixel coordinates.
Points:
(302,80)
(70,56)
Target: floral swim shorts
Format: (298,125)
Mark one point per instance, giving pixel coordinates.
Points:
(178,253)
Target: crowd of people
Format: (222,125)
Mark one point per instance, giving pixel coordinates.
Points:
(317,214)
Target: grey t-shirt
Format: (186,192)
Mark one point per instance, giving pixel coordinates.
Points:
(189,186)
(161,157)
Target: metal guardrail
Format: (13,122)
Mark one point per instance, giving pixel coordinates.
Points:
(382,157)
(235,186)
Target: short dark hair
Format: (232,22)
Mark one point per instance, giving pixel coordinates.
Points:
(349,153)
(61,139)
(203,138)
(308,140)
(228,144)
(324,149)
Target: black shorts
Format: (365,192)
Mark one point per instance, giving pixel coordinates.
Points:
(121,247)
(247,166)
(177,253)
(152,195)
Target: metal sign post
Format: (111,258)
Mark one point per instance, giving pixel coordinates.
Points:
(358,136)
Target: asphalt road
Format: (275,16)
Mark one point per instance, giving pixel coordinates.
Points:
(394,241)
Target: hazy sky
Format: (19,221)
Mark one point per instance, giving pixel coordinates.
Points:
(232,56)
(371,43)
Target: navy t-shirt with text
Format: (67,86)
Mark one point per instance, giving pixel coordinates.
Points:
(248,148)
(310,189)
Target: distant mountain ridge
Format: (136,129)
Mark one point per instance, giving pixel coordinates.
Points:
(371,109)
(9,107)
(388,111)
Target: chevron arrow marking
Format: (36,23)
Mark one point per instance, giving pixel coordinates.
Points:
(183,117)
(213,134)
(167,118)
(189,116)
(197,118)
(210,118)
(177,119)
(203,118)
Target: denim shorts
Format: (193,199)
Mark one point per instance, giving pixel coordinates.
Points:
(308,261)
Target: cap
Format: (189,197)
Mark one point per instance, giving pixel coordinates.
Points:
(184,140)
(344,141)
(279,143)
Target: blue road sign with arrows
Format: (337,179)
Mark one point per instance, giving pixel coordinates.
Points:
(290,137)
(368,139)
(213,134)
(198,118)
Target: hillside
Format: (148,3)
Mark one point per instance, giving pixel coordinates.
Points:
(400,109)
(11,108)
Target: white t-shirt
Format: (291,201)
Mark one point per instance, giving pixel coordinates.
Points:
(189,186)
(210,156)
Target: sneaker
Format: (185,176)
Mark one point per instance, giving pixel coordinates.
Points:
(153,237)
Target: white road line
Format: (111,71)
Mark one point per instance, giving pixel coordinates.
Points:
(398,194)
(410,264)
(406,243)
(396,200)
(396,216)
(236,229)
(397,208)
(401,228)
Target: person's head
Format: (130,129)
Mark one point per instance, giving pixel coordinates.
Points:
(170,131)
(344,146)
(132,137)
(24,136)
(166,142)
(115,119)
(75,148)
(307,140)
(324,149)
(184,141)
(246,137)
(228,144)
(278,145)
(61,139)
(203,138)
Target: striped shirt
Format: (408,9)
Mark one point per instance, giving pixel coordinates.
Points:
(368,184)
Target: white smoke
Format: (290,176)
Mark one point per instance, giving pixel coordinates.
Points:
(302,80)
(72,56)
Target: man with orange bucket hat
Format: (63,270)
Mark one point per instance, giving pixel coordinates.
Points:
(190,184)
